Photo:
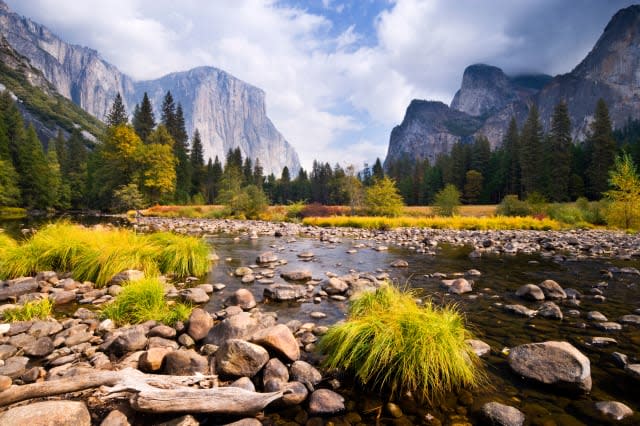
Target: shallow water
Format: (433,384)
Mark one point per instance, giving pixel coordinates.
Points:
(501,276)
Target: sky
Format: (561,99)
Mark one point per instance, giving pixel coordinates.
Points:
(338,75)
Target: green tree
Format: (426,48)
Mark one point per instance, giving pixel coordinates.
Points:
(59,192)
(353,188)
(9,191)
(160,136)
(74,169)
(377,170)
(33,172)
(601,149)
(624,194)
(127,197)
(144,120)
(248,202)
(383,199)
(480,155)
(531,159)
(473,186)
(560,154)
(118,114)
(197,164)
(447,201)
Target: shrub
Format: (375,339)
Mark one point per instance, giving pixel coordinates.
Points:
(383,199)
(36,309)
(249,203)
(447,201)
(624,195)
(512,206)
(127,197)
(294,210)
(142,301)
(537,203)
(388,341)
(320,210)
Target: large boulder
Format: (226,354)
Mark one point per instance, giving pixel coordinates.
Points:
(305,373)
(243,298)
(131,340)
(552,363)
(280,339)
(284,292)
(240,326)
(552,290)
(194,295)
(241,358)
(185,363)
(47,413)
(530,292)
(502,415)
(199,325)
(335,285)
(267,257)
(12,289)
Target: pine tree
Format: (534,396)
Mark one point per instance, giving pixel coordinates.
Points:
(377,171)
(58,194)
(33,172)
(143,118)
(9,191)
(74,169)
(601,150)
(247,171)
(511,146)
(118,114)
(197,163)
(258,174)
(531,159)
(168,117)
(181,152)
(560,154)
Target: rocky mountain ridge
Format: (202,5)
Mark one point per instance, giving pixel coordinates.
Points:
(228,112)
(488,99)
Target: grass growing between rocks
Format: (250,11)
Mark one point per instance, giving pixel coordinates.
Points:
(144,300)
(390,342)
(36,309)
(98,254)
(436,222)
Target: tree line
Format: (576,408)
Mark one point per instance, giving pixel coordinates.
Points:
(146,162)
(528,163)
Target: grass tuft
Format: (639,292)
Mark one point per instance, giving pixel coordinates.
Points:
(142,301)
(390,342)
(98,254)
(181,255)
(36,309)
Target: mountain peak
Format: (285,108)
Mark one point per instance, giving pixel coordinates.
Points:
(485,89)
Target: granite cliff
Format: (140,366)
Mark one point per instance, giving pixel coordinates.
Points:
(488,99)
(228,112)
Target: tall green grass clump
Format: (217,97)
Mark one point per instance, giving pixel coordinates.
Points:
(98,254)
(181,255)
(143,300)
(36,309)
(390,342)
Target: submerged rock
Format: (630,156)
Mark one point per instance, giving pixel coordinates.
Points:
(530,292)
(613,409)
(552,363)
(325,401)
(552,290)
(502,415)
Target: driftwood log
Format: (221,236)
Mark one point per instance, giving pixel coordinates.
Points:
(151,393)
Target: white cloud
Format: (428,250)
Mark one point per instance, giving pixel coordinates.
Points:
(322,88)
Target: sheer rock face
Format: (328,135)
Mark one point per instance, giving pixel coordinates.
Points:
(488,99)
(228,112)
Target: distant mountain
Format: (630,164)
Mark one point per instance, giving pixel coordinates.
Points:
(488,99)
(39,102)
(228,112)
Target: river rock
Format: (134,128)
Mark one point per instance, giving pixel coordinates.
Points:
(630,319)
(249,421)
(115,418)
(552,290)
(305,373)
(127,276)
(63,297)
(400,263)
(17,287)
(550,310)
(520,310)
(279,339)
(502,415)
(607,326)
(613,409)
(325,401)
(242,271)
(479,347)
(557,363)
(187,420)
(194,295)
(14,367)
(530,292)
(151,360)
(240,326)
(603,341)
(267,257)
(596,316)
(5,383)
(274,375)
(131,340)
(164,331)
(244,383)
(302,275)
(7,351)
(47,413)
(305,255)
(632,370)
(460,286)
(297,393)
(199,325)
(335,285)
(243,298)
(185,363)
(241,358)
(284,292)
(43,346)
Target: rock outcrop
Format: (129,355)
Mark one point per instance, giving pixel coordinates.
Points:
(488,99)
(228,112)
